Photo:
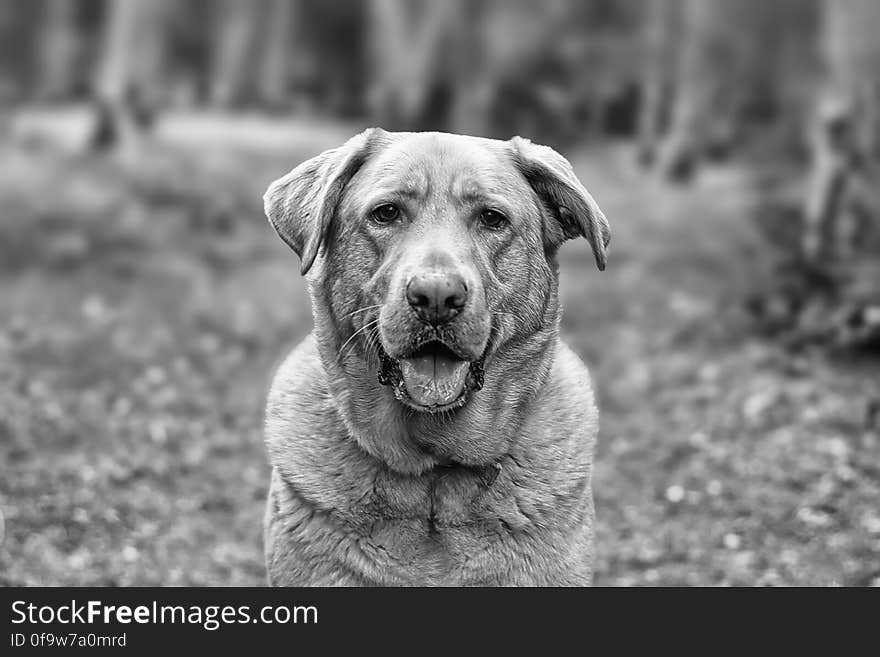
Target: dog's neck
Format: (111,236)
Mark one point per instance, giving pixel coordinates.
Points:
(478,434)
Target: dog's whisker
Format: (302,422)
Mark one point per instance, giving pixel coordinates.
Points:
(355,334)
(373,345)
(363,310)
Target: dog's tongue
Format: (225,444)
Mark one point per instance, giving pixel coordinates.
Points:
(433,379)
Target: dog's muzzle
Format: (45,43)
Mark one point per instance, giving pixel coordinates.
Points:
(433,377)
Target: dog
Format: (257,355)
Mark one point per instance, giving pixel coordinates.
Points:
(432,429)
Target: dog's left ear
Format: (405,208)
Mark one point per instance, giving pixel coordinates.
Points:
(552,177)
(301,205)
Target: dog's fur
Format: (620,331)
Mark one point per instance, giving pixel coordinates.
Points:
(367,487)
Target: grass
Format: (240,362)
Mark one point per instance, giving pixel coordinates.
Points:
(144,303)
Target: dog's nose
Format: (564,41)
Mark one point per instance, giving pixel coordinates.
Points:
(436,297)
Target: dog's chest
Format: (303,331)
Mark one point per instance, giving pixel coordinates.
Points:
(445,528)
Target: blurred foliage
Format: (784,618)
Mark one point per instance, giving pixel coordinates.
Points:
(560,71)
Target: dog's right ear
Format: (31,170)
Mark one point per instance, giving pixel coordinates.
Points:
(301,205)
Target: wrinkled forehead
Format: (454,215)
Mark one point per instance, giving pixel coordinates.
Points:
(422,167)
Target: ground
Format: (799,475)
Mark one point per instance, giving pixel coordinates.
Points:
(144,302)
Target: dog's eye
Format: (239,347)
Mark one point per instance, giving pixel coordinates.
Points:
(492,219)
(385,214)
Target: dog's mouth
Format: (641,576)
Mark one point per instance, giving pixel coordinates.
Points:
(433,377)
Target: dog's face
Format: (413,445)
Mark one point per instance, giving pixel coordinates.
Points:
(437,250)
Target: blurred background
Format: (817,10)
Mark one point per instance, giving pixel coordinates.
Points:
(144,300)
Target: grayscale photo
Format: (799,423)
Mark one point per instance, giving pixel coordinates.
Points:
(496,293)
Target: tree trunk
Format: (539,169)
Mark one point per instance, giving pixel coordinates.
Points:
(129,79)
(701,61)
(661,19)
(57,49)
(409,52)
(233,50)
(846,130)
(274,73)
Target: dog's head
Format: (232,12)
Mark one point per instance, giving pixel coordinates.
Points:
(436,250)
